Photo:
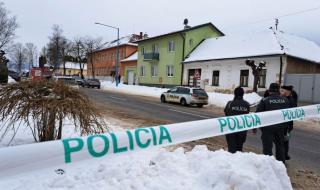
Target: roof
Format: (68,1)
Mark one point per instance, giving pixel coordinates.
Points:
(126,40)
(253,44)
(73,65)
(133,57)
(184,30)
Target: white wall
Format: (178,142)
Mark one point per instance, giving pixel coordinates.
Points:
(230,72)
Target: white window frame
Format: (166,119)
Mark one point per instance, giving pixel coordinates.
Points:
(171,46)
(155,48)
(143,51)
(142,71)
(154,70)
(170,71)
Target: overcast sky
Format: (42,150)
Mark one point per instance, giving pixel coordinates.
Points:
(77,17)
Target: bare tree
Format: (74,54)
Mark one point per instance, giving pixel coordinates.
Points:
(18,57)
(256,71)
(90,46)
(31,54)
(78,53)
(66,49)
(8,26)
(56,46)
(43,106)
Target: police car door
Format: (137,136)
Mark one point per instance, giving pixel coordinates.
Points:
(172,95)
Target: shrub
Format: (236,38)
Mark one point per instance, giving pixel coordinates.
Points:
(44,105)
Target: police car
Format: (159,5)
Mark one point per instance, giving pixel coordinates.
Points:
(185,96)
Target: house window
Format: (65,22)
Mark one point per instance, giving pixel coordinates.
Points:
(171,46)
(170,70)
(215,78)
(142,71)
(262,78)
(244,78)
(154,70)
(191,42)
(143,51)
(155,48)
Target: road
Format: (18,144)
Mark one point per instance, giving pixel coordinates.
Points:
(304,144)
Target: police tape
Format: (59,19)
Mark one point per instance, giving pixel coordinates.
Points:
(20,159)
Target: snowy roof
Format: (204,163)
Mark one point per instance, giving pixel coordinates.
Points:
(126,40)
(133,57)
(262,43)
(183,30)
(73,65)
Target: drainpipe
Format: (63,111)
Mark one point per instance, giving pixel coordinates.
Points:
(280,75)
(183,47)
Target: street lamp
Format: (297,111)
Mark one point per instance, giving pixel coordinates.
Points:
(118,44)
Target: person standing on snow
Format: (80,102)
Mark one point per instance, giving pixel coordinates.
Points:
(237,106)
(286,91)
(273,133)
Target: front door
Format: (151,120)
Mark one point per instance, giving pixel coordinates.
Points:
(130,77)
(194,77)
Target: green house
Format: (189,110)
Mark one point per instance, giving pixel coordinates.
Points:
(160,57)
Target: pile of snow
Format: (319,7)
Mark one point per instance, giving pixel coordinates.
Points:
(221,100)
(133,89)
(217,99)
(11,80)
(199,169)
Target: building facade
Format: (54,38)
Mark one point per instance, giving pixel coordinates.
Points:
(128,69)
(160,57)
(72,69)
(105,59)
(219,64)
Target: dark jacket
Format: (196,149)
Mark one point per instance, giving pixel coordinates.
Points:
(273,102)
(293,103)
(238,106)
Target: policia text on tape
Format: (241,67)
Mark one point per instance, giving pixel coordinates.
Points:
(20,159)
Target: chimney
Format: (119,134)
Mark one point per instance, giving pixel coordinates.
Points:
(186,26)
(141,35)
(145,35)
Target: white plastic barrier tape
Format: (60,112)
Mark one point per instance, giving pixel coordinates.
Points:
(19,159)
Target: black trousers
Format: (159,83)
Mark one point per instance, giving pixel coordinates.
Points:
(286,148)
(274,135)
(235,141)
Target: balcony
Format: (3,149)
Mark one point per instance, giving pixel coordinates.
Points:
(151,57)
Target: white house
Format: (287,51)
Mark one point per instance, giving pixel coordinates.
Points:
(219,63)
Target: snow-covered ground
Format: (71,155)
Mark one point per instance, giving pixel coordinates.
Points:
(199,169)
(217,99)
(11,80)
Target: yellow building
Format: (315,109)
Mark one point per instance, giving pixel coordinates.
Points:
(72,69)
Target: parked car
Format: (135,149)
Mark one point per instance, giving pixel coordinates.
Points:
(69,81)
(185,96)
(91,83)
(79,80)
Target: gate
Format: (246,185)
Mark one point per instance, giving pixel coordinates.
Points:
(306,85)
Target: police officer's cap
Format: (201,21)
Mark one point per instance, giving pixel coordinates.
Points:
(274,87)
(290,88)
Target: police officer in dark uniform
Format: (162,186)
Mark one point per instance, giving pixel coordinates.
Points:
(237,106)
(274,133)
(286,91)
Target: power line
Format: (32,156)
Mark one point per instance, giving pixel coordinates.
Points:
(277,17)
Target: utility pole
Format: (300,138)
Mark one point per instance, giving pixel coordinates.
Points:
(118,47)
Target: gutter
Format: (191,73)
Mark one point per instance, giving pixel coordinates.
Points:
(183,58)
